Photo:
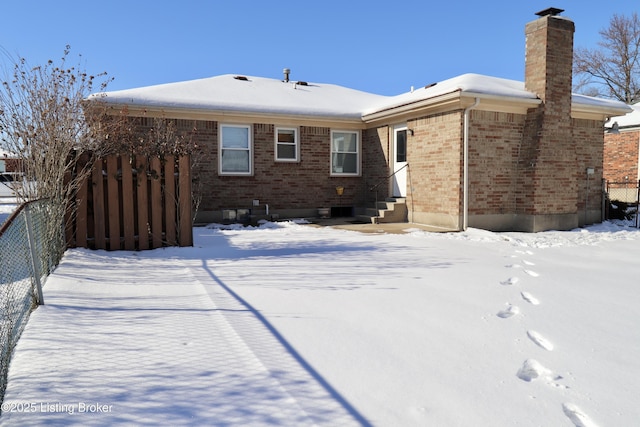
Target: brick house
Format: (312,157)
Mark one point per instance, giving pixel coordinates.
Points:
(9,162)
(622,148)
(10,173)
(473,150)
(4,158)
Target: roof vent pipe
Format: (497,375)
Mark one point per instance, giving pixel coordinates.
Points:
(286,72)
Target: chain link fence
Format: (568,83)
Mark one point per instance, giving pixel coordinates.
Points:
(624,201)
(31,245)
(626,191)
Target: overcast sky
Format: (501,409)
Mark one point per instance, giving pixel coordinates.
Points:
(383,47)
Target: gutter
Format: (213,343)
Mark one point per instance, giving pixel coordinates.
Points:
(345,122)
(446,98)
(409,106)
(465,173)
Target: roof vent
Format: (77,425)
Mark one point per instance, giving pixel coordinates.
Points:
(552,11)
(243,78)
(286,73)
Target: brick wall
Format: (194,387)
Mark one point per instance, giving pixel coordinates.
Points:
(588,146)
(375,164)
(434,154)
(621,154)
(303,185)
(13,165)
(504,171)
(548,159)
(494,146)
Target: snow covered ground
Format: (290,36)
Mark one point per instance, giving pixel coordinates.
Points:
(7,205)
(290,324)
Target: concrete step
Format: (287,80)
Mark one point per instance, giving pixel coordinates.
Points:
(388,211)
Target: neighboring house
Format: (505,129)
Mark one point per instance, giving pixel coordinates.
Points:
(622,156)
(10,173)
(472,151)
(4,156)
(622,147)
(9,162)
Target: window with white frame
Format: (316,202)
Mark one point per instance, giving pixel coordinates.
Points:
(235,150)
(345,153)
(287,145)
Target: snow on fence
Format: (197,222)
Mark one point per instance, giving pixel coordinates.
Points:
(29,250)
(134,203)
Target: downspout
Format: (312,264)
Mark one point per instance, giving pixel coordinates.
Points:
(465,160)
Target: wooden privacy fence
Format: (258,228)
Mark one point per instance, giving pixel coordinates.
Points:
(134,203)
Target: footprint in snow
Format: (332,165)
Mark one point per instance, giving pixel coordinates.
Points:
(531,369)
(532,273)
(510,311)
(513,266)
(510,281)
(528,262)
(529,298)
(525,252)
(539,340)
(577,417)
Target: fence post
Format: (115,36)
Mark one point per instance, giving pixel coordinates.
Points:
(35,260)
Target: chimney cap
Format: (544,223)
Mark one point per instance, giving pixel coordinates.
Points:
(552,11)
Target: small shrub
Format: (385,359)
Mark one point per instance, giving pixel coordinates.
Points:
(621,210)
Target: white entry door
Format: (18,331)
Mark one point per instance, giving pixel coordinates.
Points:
(399,161)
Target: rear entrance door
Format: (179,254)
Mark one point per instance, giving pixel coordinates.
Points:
(399,161)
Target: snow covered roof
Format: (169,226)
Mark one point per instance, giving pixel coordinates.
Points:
(259,95)
(631,119)
(250,94)
(466,83)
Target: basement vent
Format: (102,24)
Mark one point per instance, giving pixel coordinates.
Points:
(243,78)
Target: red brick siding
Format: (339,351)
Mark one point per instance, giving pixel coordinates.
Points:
(548,165)
(494,144)
(375,165)
(621,156)
(501,177)
(434,154)
(588,144)
(12,165)
(282,185)
(548,159)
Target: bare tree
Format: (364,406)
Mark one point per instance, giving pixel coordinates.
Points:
(43,123)
(613,69)
(164,136)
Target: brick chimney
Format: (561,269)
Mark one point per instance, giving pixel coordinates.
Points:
(547,161)
(549,59)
